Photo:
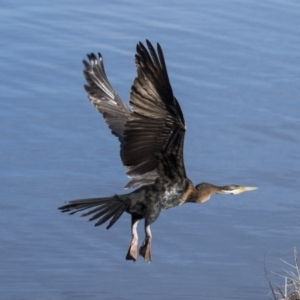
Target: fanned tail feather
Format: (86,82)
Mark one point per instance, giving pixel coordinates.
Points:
(104,208)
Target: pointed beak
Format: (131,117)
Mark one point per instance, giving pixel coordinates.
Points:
(243,189)
(237,190)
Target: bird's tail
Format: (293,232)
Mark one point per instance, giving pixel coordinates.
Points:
(103,208)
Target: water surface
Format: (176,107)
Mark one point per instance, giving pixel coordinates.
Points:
(234,67)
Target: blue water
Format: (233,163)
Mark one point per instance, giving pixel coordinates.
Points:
(235,69)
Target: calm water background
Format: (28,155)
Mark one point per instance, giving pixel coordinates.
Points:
(235,68)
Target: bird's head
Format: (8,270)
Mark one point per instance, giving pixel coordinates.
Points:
(205,190)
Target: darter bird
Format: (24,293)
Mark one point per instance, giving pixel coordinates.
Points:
(151,134)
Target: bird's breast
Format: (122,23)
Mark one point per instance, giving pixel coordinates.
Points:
(172,196)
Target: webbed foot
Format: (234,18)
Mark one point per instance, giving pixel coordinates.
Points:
(145,250)
(132,251)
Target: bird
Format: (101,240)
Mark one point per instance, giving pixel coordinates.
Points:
(151,132)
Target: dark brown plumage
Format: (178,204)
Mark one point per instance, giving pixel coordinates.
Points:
(151,137)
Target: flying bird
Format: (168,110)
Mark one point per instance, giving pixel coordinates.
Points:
(151,134)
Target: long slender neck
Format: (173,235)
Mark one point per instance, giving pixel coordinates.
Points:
(203,191)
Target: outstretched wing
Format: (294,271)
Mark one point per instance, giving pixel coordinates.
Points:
(154,131)
(103,97)
(152,135)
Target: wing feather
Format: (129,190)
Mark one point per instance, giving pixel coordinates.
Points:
(103,96)
(156,126)
(152,134)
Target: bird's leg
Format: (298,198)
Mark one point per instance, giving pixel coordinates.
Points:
(132,251)
(145,249)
